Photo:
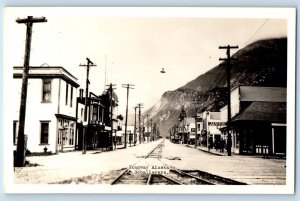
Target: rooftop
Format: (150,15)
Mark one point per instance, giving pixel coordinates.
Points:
(265,94)
(47,72)
(263,111)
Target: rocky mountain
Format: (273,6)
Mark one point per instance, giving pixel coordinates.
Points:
(262,63)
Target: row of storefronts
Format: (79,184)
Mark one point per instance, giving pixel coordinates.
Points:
(258,123)
(55,112)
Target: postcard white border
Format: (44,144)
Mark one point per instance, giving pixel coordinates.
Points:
(197,12)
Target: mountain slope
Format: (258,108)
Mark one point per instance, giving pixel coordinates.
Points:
(261,56)
(262,63)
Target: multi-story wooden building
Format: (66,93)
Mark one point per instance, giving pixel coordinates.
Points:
(50,121)
(102,121)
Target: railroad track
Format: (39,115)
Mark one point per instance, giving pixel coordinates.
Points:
(156,152)
(214,179)
(144,179)
(170,176)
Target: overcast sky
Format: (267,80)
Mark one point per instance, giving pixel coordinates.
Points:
(133,49)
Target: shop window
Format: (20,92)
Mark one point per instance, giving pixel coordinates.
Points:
(71,136)
(61,130)
(95,113)
(66,132)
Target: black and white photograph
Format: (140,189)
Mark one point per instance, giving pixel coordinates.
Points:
(149,100)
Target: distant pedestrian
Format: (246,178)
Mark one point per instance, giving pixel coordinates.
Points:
(222,145)
(228,146)
(210,143)
(115,142)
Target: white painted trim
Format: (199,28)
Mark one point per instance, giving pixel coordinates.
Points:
(278,124)
(273,142)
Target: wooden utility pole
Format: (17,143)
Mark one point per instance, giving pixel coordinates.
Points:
(134,134)
(147,123)
(228,70)
(21,148)
(140,130)
(196,116)
(85,121)
(143,128)
(151,130)
(113,141)
(127,86)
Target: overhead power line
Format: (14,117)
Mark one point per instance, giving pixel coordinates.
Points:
(257,30)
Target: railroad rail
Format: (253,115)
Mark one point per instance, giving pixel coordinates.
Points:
(173,176)
(127,177)
(156,152)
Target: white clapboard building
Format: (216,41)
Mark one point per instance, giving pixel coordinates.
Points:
(50,121)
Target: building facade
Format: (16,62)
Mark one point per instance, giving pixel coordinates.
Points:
(258,120)
(50,121)
(194,127)
(211,133)
(102,125)
(95,120)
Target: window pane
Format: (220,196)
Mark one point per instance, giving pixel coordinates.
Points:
(44,132)
(95,113)
(46,90)
(47,85)
(46,97)
(71,101)
(67,91)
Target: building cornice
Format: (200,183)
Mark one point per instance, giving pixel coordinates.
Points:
(47,72)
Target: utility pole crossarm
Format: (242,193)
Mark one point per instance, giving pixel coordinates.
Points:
(31,19)
(228,46)
(225,59)
(129,86)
